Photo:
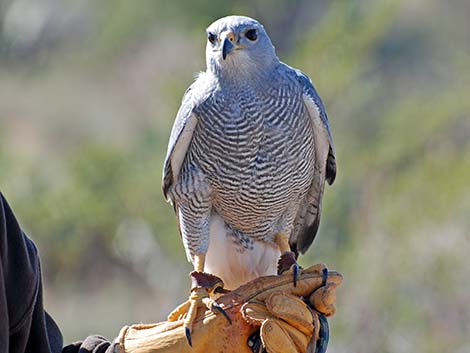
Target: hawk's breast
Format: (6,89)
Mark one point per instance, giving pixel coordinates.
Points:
(256,148)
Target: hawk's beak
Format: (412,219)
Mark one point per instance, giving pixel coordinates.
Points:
(228,44)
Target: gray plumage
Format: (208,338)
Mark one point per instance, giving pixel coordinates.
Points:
(250,150)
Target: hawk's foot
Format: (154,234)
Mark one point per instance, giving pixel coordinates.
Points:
(204,287)
(288,262)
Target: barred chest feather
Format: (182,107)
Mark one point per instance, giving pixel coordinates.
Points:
(255,146)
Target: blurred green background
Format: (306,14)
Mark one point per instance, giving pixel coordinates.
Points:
(88,93)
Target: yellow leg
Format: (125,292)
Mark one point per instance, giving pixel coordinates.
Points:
(288,261)
(188,309)
(199,261)
(203,287)
(282,240)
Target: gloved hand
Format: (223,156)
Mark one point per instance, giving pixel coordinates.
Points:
(268,312)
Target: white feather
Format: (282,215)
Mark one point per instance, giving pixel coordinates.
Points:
(232,262)
(322,143)
(181,146)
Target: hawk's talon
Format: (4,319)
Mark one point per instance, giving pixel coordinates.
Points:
(287,262)
(217,307)
(221,290)
(187,331)
(325,277)
(196,300)
(204,286)
(295,271)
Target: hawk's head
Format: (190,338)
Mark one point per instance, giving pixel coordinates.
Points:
(238,45)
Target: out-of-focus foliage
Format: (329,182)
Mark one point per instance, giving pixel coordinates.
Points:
(88,92)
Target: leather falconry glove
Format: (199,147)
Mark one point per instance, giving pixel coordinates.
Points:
(267,314)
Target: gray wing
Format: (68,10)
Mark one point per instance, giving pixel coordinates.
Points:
(308,216)
(180,139)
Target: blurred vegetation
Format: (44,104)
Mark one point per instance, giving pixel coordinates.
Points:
(88,93)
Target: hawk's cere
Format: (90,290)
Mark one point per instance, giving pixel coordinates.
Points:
(248,158)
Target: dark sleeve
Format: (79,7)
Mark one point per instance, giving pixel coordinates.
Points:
(92,344)
(24,325)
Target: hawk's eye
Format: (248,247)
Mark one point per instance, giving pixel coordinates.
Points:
(211,37)
(251,34)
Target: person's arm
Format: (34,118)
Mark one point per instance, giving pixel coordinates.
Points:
(24,325)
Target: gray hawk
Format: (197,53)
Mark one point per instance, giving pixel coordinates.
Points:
(247,161)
